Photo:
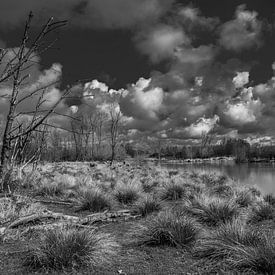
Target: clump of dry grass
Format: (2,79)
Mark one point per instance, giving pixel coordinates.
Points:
(218,244)
(262,212)
(93,200)
(172,191)
(47,188)
(239,246)
(222,191)
(211,211)
(270,199)
(70,248)
(169,229)
(127,193)
(244,198)
(147,205)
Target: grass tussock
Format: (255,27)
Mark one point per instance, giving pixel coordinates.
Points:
(212,211)
(66,249)
(218,244)
(244,198)
(172,191)
(49,189)
(93,200)
(222,191)
(148,205)
(170,229)
(262,212)
(127,193)
(270,199)
(240,246)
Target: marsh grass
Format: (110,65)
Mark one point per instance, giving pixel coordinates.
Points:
(51,189)
(270,199)
(211,211)
(148,204)
(172,191)
(93,200)
(127,193)
(70,248)
(258,257)
(219,243)
(244,198)
(222,191)
(171,230)
(262,212)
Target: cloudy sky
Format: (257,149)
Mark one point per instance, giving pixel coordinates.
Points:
(185,67)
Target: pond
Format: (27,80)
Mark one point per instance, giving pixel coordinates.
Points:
(261,175)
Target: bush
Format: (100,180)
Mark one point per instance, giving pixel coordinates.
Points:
(170,229)
(127,193)
(148,205)
(172,191)
(93,200)
(262,212)
(69,248)
(212,212)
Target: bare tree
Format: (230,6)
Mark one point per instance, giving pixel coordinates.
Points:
(14,73)
(115,123)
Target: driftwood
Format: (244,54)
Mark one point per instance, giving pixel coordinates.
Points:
(61,219)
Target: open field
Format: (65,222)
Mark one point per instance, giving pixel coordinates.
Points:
(92,218)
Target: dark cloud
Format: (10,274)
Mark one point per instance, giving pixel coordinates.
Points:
(101,14)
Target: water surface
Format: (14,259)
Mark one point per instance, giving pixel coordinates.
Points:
(261,175)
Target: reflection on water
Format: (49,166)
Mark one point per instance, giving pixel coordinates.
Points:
(261,175)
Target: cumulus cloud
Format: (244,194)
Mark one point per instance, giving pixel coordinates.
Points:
(245,110)
(161,41)
(194,22)
(243,32)
(142,101)
(241,79)
(202,126)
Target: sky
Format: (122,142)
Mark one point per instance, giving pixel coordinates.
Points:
(185,68)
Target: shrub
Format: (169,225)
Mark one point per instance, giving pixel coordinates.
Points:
(262,212)
(69,248)
(212,212)
(93,200)
(127,193)
(147,205)
(172,191)
(170,229)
